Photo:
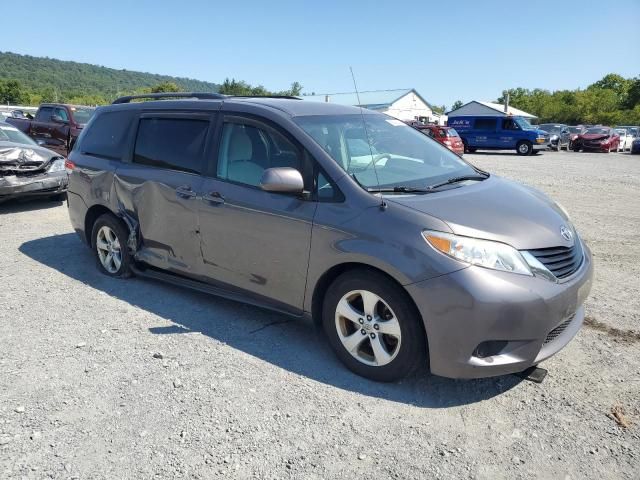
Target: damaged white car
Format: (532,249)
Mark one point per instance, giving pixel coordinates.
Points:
(26,169)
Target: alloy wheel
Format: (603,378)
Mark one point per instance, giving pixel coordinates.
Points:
(108,247)
(367,327)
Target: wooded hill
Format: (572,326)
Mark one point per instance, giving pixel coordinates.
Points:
(41,79)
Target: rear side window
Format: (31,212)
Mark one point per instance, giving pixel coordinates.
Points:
(485,124)
(172,143)
(106,135)
(44,114)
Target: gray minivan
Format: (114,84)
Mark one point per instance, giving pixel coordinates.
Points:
(402,251)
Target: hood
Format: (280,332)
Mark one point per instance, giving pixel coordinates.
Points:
(593,136)
(19,158)
(495,209)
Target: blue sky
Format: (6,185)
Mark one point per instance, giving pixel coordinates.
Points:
(468,50)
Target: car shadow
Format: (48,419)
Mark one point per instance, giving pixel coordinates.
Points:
(284,342)
(17,205)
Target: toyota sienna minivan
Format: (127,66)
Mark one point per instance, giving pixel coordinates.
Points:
(403,252)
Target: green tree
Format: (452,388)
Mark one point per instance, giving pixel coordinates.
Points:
(456,105)
(11,92)
(165,87)
(633,94)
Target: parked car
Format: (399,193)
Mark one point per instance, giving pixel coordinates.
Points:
(499,133)
(626,138)
(55,126)
(27,169)
(574,131)
(559,135)
(445,135)
(602,139)
(635,145)
(413,256)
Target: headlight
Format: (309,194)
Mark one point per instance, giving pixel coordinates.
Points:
(56,166)
(484,253)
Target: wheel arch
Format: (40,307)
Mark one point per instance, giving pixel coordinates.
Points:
(93,213)
(327,278)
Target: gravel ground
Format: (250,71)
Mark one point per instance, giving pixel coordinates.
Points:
(101,378)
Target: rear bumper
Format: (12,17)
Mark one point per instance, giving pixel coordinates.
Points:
(483,323)
(13,186)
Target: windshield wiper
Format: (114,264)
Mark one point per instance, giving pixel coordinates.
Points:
(458,180)
(400,189)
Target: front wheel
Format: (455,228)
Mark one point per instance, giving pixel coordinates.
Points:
(524,148)
(373,326)
(109,244)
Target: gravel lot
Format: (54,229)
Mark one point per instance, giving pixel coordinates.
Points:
(101,378)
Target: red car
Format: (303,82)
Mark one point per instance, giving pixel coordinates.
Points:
(445,135)
(600,139)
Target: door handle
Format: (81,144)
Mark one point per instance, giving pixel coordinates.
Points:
(185,192)
(213,197)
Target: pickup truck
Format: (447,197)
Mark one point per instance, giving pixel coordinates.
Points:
(55,126)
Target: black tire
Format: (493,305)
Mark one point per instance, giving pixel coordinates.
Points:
(119,229)
(412,347)
(472,149)
(524,147)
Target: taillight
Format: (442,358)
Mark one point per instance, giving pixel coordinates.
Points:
(69,165)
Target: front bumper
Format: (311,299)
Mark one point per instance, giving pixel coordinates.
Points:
(514,314)
(540,146)
(12,186)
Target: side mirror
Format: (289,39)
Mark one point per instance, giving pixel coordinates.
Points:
(57,119)
(282,180)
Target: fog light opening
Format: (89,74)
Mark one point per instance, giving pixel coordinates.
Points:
(490,348)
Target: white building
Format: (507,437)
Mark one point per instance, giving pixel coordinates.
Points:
(403,104)
(489,109)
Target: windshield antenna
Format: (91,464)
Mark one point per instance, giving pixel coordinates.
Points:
(383,204)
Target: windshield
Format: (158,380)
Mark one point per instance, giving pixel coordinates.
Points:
(12,134)
(599,131)
(83,115)
(621,131)
(451,132)
(575,129)
(550,128)
(401,154)
(522,123)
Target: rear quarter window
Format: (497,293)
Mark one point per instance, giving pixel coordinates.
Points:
(107,135)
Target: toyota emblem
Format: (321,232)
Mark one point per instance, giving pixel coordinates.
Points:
(566,233)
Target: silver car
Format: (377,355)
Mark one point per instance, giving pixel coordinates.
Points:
(27,169)
(404,253)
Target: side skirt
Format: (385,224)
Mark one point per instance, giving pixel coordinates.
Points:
(236,296)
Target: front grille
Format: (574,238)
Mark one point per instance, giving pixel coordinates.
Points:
(561,261)
(556,332)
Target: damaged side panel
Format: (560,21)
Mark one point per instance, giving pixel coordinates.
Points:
(147,201)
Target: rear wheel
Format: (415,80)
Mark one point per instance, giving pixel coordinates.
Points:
(109,244)
(373,326)
(524,148)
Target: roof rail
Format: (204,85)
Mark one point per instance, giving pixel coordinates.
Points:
(289,97)
(199,96)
